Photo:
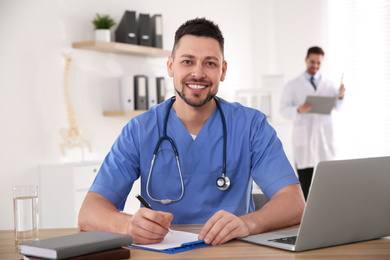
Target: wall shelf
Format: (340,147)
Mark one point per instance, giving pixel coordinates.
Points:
(121,48)
(127,113)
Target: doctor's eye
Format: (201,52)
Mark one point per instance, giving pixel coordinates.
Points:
(211,64)
(187,62)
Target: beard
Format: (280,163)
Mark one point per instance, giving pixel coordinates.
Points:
(196,102)
(312,71)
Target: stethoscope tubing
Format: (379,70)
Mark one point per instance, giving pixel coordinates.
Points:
(166,137)
(224,137)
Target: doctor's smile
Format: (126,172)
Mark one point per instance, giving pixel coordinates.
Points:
(196,86)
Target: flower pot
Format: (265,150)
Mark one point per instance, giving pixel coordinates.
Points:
(103,35)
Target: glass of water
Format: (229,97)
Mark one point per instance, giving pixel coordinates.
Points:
(25,213)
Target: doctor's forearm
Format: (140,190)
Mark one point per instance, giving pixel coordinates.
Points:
(97,213)
(284,209)
(289,112)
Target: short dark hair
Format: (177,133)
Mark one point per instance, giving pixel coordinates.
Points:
(200,27)
(315,50)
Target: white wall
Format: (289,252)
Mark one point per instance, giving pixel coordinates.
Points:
(282,32)
(262,37)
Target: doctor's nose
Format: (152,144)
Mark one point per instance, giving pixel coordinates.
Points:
(198,72)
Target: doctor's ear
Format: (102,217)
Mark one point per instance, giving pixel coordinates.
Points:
(224,69)
(170,66)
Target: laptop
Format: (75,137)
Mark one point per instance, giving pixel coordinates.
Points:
(349,201)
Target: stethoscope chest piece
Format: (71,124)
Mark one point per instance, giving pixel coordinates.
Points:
(223,183)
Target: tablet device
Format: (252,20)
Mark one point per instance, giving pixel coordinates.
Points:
(321,104)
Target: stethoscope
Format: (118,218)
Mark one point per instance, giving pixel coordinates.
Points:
(223,182)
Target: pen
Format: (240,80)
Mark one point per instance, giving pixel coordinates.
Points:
(147,205)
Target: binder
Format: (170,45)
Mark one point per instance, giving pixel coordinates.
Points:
(126,31)
(152,93)
(144,30)
(141,92)
(127,92)
(160,81)
(156,30)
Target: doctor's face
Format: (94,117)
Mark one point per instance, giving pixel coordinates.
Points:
(313,62)
(197,66)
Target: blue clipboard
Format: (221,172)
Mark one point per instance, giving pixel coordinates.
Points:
(173,250)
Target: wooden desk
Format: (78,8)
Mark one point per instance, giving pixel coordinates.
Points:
(374,249)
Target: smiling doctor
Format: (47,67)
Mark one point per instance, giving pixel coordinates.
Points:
(313,137)
(197,156)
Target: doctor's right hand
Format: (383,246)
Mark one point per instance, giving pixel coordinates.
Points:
(147,226)
(304,108)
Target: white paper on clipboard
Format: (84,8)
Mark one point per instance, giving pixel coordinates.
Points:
(321,104)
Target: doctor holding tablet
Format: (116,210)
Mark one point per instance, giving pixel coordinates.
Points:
(313,139)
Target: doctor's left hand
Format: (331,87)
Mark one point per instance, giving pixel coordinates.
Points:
(341,91)
(222,227)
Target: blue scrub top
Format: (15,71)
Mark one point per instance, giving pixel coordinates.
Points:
(254,152)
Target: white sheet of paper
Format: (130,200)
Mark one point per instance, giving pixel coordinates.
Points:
(173,240)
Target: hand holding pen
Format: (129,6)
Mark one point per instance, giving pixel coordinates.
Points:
(342,88)
(147,205)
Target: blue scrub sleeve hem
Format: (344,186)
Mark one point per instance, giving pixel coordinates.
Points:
(272,189)
(108,194)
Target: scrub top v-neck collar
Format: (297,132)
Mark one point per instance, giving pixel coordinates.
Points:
(188,148)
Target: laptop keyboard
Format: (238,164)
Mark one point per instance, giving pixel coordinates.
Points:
(285,240)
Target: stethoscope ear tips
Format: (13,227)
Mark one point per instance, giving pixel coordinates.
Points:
(223,183)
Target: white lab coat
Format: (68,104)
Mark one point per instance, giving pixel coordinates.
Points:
(313,137)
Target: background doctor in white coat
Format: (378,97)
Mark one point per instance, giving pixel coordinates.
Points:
(313,139)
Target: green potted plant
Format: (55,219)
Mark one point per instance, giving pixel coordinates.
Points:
(102,24)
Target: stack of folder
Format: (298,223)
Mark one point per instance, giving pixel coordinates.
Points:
(140,92)
(146,31)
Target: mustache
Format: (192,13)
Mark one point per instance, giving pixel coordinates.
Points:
(192,80)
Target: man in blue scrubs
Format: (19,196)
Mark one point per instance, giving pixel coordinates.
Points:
(195,124)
